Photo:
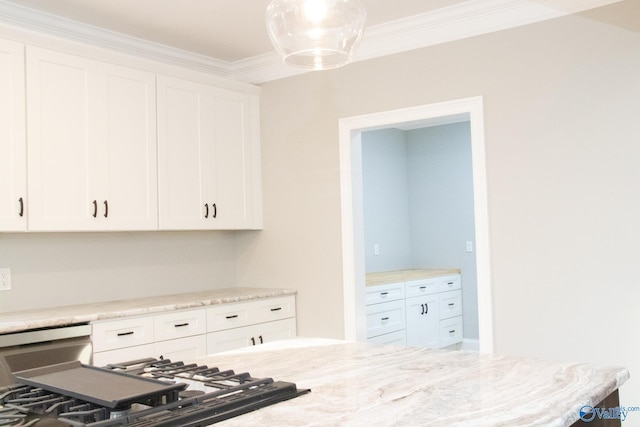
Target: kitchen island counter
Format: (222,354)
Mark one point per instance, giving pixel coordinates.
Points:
(72,314)
(361,384)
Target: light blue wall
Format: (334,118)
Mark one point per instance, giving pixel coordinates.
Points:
(418,204)
(385,201)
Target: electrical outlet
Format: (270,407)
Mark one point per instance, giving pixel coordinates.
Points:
(376,249)
(5,279)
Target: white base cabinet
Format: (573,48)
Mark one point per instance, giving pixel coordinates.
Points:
(422,312)
(192,333)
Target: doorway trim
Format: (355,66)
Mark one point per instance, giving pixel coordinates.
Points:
(353,269)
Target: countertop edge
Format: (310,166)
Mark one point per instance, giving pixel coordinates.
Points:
(19,321)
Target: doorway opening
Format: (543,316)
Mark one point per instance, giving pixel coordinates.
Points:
(353,251)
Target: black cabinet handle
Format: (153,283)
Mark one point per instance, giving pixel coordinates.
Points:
(122,334)
(451,304)
(95,208)
(422,307)
(384,294)
(233,316)
(261,340)
(276,309)
(384,319)
(423,287)
(253,341)
(426,308)
(215,210)
(21,201)
(453,331)
(206,210)
(180,325)
(106,209)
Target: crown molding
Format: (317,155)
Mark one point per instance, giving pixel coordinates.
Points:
(467,19)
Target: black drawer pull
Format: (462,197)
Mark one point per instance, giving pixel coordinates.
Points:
(215,210)
(453,331)
(384,319)
(122,334)
(451,304)
(95,208)
(21,201)
(449,283)
(426,306)
(233,316)
(106,209)
(423,287)
(180,325)
(276,309)
(384,294)
(253,341)
(261,340)
(422,306)
(206,210)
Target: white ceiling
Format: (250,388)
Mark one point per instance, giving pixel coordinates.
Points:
(229,37)
(229,30)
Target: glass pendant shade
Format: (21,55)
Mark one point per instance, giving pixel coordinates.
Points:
(316,34)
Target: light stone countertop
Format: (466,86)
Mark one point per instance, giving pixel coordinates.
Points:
(362,384)
(395,276)
(59,316)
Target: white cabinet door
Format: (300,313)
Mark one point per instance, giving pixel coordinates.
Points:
(13,162)
(182,349)
(127,144)
(61,106)
(232,339)
(208,157)
(423,321)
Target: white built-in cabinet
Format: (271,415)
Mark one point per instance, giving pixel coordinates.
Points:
(13,162)
(191,333)
(425,312)
(208,156)
(91,144)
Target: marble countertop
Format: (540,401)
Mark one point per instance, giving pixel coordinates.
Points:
(357,384)
(404,275)
(66,315)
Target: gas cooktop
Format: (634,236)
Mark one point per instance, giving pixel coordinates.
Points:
(139,393)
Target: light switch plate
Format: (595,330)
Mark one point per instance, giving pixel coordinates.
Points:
(5,279)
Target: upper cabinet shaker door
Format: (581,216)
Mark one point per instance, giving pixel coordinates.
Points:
(185,152)
(127,102)
(13,162)
(61,95)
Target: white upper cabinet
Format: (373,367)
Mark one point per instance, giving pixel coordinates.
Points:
(91,144)
(13,163)
(208,157)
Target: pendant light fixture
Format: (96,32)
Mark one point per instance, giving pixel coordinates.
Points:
(315,34)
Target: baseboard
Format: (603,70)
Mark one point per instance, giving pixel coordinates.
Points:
(469,344)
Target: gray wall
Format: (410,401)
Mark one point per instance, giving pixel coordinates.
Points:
(561,102)
(418,204)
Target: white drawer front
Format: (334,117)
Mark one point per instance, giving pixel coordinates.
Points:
(414,288)
(227,316)
(180,324)
(450,304)
(122,333)
(384,293)
(120,355)
(449,283)
(450,331)
(385,318)
(276,308)
(394,338)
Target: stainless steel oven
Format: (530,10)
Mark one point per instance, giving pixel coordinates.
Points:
(41,347)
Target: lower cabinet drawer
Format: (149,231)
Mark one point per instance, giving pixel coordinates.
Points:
(385,318)
(232,339)
(180,324)
(450,331)
(450,304)
(393,338)
(184,349)
(123,333)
